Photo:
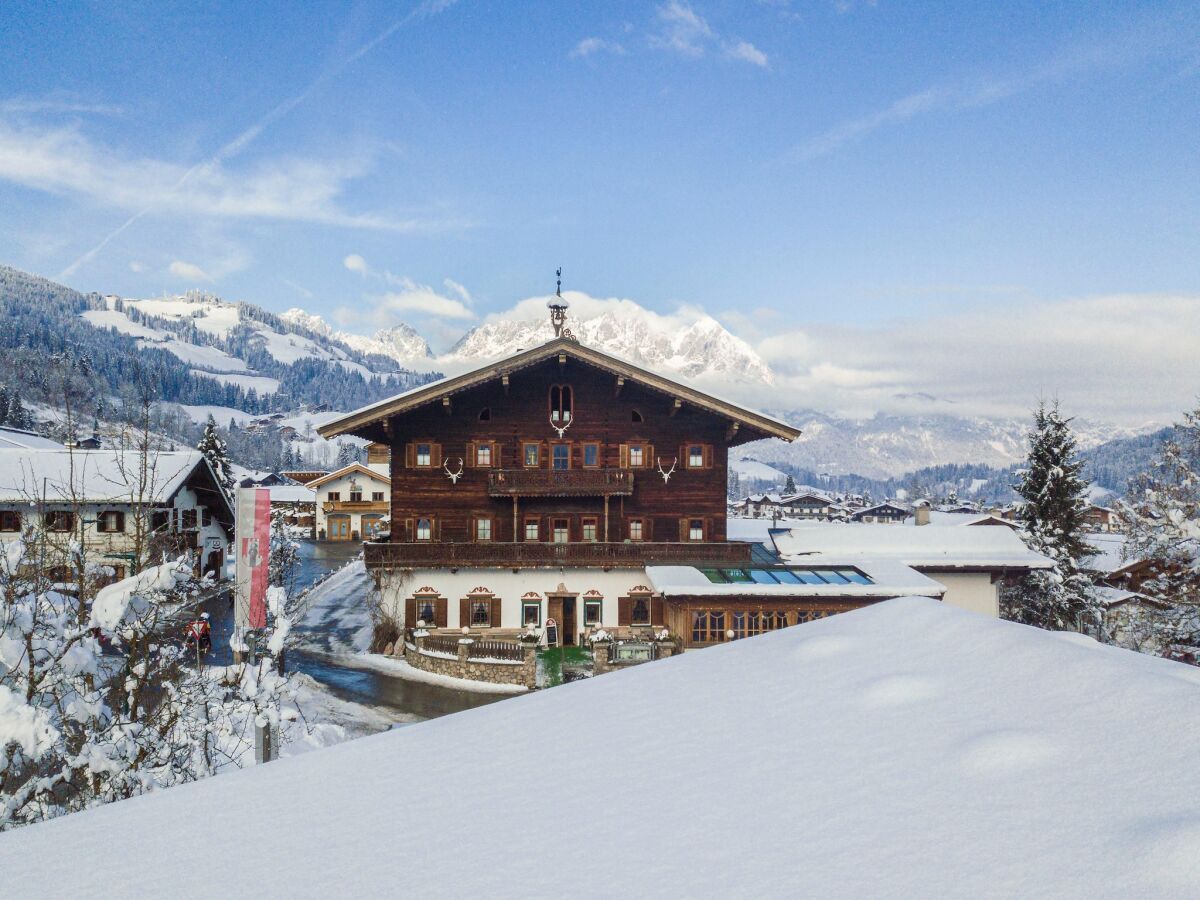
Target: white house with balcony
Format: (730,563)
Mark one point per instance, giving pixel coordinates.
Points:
(352,503)
(118,504)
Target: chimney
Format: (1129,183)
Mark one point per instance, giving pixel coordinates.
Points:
(922,513)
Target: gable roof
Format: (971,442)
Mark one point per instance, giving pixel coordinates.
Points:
(96,476)
(361,419)
(346,470)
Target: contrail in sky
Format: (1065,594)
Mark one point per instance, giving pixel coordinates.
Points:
(247,137)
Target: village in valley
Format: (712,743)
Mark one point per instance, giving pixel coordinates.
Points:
(340,587)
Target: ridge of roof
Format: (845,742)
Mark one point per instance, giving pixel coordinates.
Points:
(417,396)
(337,473)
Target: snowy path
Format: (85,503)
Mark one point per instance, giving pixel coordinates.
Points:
(336,619)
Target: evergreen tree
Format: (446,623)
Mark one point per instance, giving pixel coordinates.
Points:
(735,484)
(346,455)
(3,405)
(1163,524)
(1052,518)
(18,416)
(214,451)
(789,486)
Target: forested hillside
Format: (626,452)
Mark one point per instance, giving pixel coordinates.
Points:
(40,319)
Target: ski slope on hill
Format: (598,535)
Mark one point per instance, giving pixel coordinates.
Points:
(905,750)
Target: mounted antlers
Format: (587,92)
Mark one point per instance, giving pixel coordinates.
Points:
(667,474)
(454,476)
(563,430)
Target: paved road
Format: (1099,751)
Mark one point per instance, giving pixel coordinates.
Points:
(327,635)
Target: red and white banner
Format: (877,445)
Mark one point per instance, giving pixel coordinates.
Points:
(253,556)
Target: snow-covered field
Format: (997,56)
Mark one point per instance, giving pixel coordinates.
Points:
(905,750)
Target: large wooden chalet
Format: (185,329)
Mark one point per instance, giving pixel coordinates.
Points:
(561,473)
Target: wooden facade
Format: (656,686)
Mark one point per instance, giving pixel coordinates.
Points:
(558,445)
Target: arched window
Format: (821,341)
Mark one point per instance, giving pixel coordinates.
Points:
(561,405)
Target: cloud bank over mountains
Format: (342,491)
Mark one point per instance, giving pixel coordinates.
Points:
(1123,358)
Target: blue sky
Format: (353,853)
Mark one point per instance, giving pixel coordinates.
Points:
(783,165)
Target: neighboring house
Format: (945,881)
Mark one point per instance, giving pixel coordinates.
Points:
(304,476)
(297,502)
(98,497)
(969,564)
(351,503)
(809,505)
(1102,519)
(882,514)
(1131,620)
(760,506)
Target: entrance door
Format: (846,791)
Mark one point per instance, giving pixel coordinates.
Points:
(339,528)
(561,531)
(561,608)
(568,621)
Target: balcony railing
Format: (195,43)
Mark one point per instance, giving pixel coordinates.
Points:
(632,554)
(380,506)
(560,482)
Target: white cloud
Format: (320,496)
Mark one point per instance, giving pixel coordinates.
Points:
(60,102)
(746,52)
(135,266)
(190,271)
(456,288)
(1115,358)
(420,299)
(682,29)
(62,161)
(355,263)
(592,45)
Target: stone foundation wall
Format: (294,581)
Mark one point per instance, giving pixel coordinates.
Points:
(601,665)
(522,673)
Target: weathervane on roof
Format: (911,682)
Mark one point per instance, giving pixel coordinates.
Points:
(558,311)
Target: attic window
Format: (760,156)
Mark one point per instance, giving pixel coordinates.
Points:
(637,416)
(561,406)
(485,414)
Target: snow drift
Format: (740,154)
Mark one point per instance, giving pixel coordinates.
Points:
(908,749)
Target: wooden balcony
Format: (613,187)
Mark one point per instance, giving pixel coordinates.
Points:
(560,483)
(530,554)
(346,506)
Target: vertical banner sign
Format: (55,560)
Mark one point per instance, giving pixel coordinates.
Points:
(253,551)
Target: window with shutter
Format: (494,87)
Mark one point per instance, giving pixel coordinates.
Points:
(410,612)
(624,611)
(440,612)
(657,617)
(495,613)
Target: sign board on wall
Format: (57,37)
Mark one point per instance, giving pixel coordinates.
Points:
(253,530)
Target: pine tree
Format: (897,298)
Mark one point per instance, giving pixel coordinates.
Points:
(214,451)
(1052,517)
(789,487)
(3,405)
(18,416)
(1163,524)
(346,455)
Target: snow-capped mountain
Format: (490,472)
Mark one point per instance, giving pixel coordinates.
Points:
(683,345)
(888,445)
(400,342)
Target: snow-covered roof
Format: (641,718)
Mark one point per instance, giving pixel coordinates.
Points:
(981,547)
(1109,555)
(886,752)
(93,476)
(358,468)
(19,439)
(889,577)
(1111,596)
(756,424)
(886,506)
(292,493)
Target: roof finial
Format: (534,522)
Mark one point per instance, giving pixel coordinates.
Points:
(558,310)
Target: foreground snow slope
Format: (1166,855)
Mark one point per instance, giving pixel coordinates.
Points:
(909,749)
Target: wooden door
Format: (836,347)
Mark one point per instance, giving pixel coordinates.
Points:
(568,621)
(554,610)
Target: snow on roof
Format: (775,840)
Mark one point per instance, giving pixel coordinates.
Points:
(1109,555)
(887,752)
(19,439)
(92,476)
(890,578)
(983,546)
(292,493)
(346,470)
